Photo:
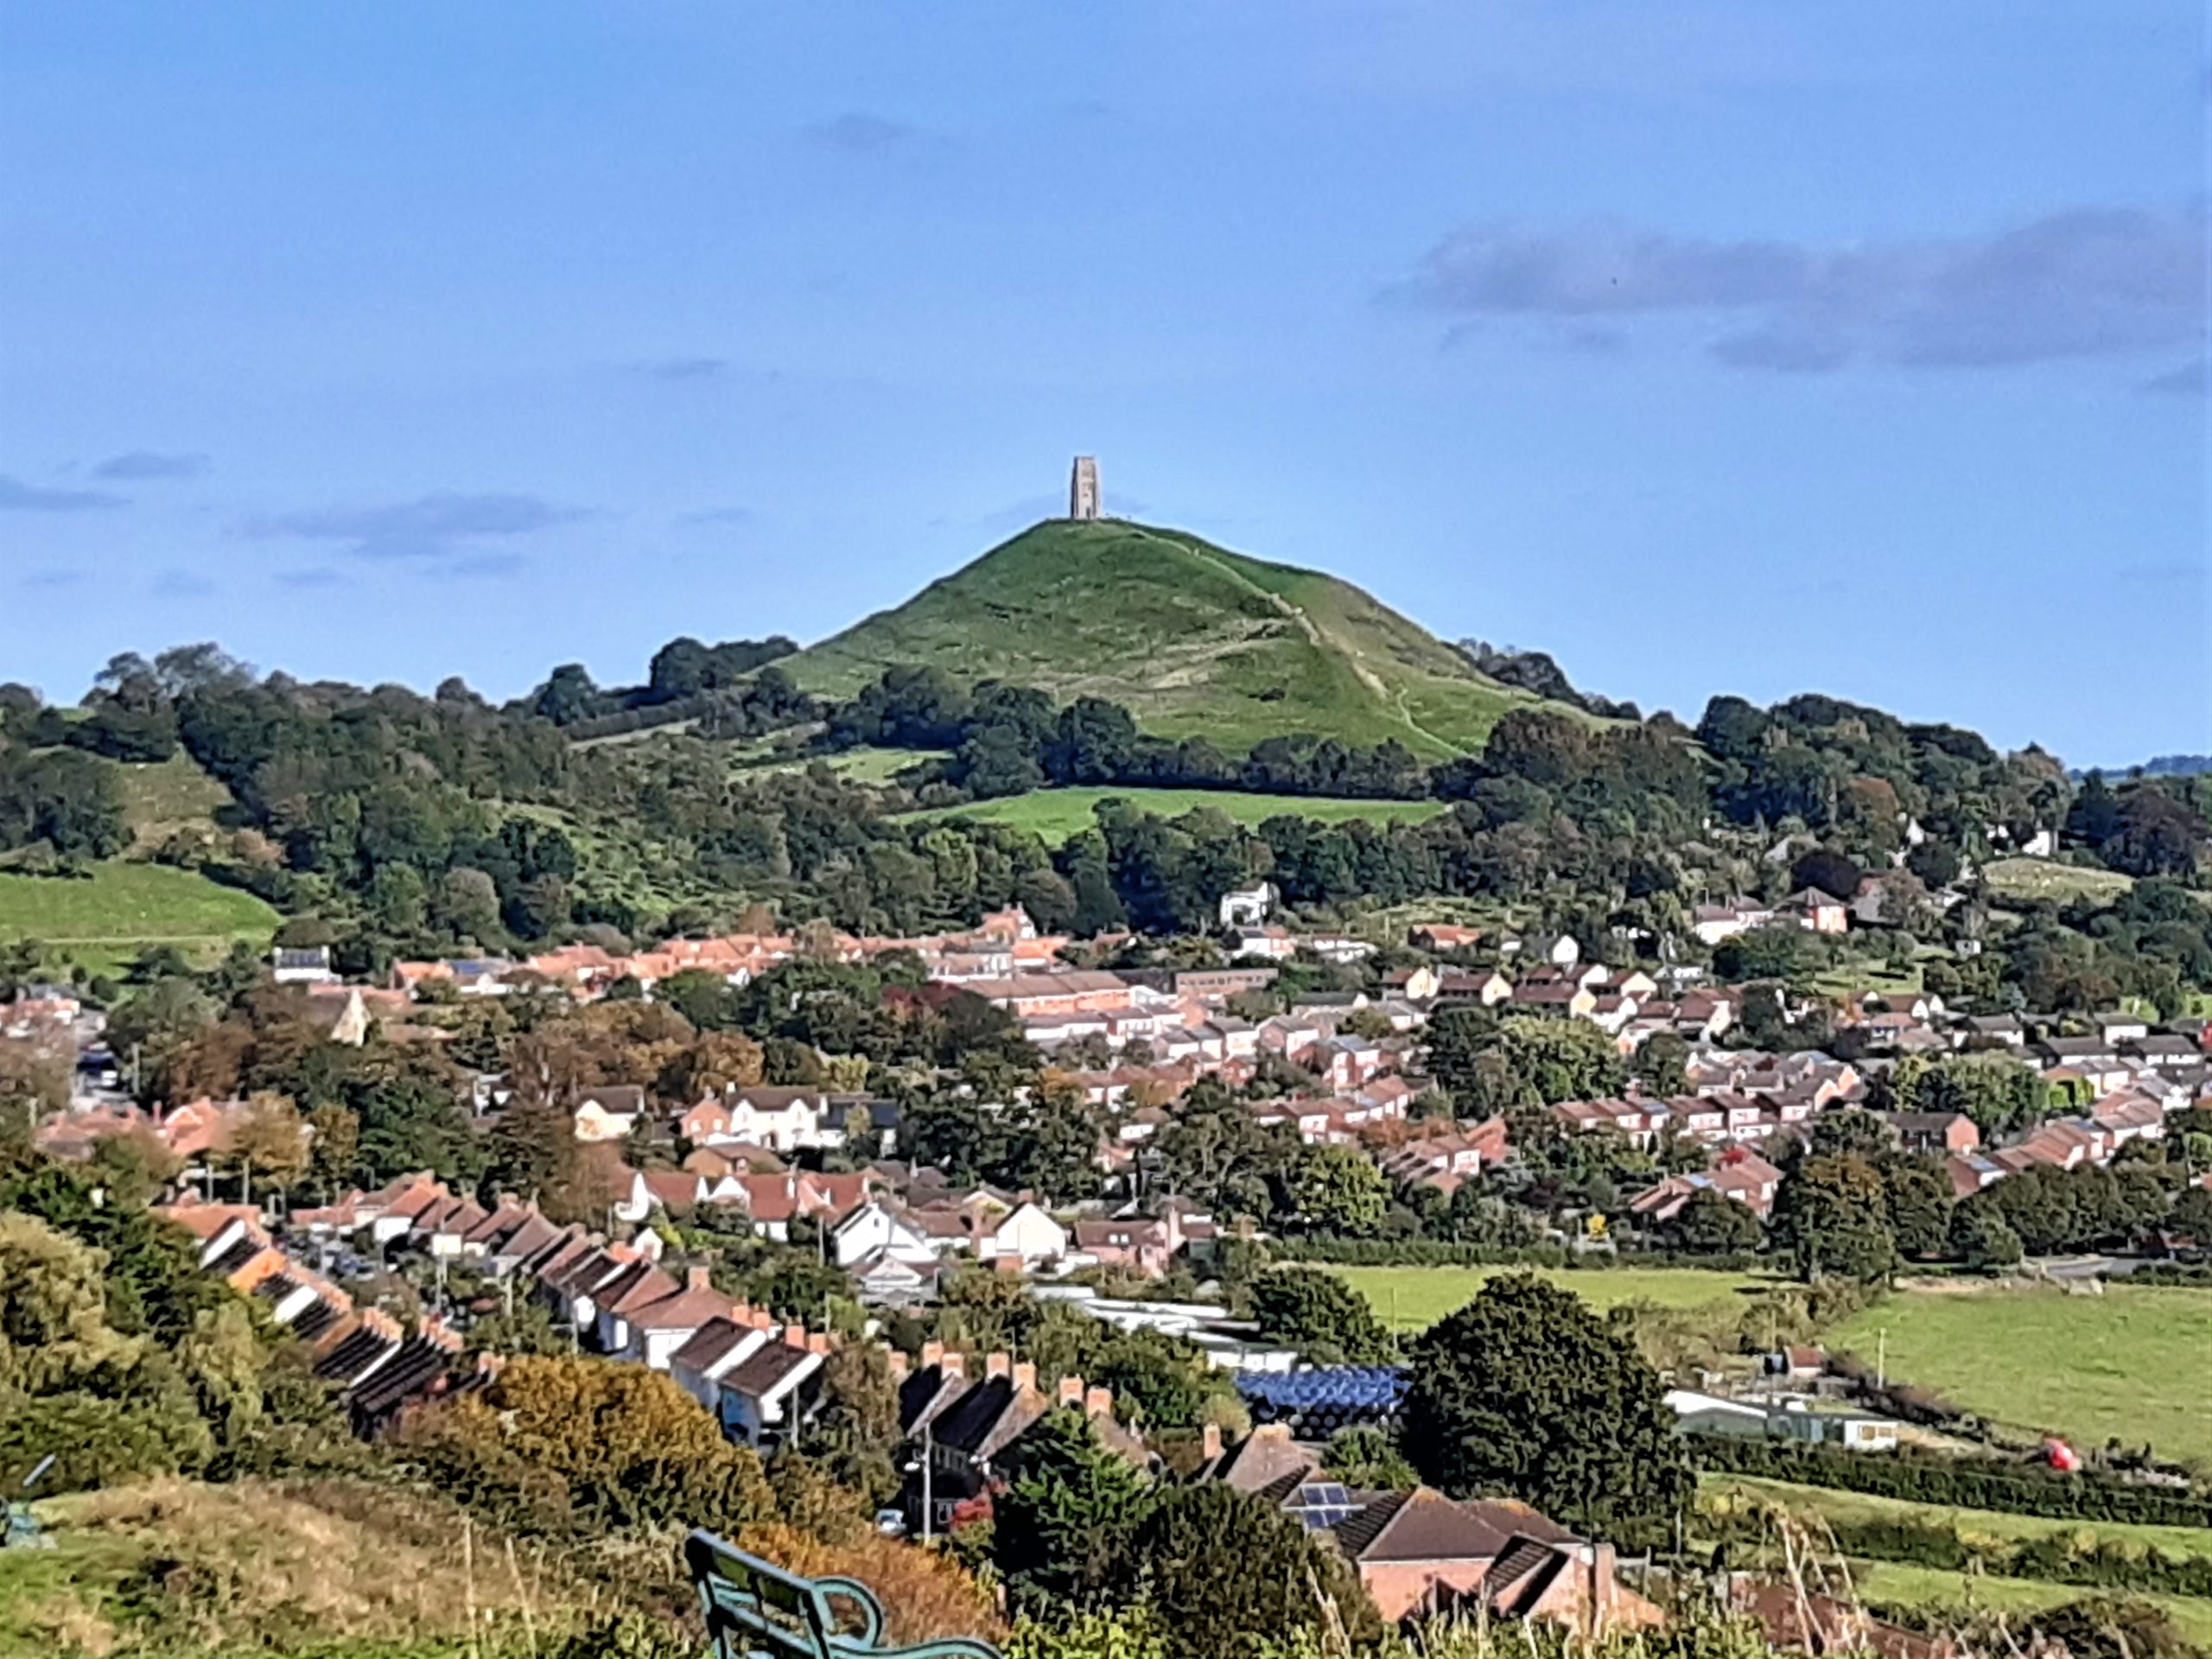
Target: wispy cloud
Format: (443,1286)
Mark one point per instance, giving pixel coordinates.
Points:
(858,133)
(717,516)
(15,496)
(447,528)
(309,575)
(147,464)
(683,368)
(2162,573)
(52,576)
(2189,380)
(178,583)
(2091,282)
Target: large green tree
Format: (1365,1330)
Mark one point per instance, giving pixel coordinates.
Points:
(1525,1393)
(1218,1565)
(1339,1190)
(1832,1218)
(1064,1523)
(1321,1316)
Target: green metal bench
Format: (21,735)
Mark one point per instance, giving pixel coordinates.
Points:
(755,1610)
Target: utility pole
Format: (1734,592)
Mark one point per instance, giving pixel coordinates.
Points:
(928,1507)
(1881,1357)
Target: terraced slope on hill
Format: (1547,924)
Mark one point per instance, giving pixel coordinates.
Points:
(1193,640)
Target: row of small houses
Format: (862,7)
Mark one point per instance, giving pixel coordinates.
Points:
(1417,1552)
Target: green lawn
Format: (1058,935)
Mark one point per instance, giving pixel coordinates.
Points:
(1058,814)
(2135,1363)
(1412,1299)
(121,908)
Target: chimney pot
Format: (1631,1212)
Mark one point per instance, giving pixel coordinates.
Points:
(1098,1402)
(1025,1374)
(998,1363)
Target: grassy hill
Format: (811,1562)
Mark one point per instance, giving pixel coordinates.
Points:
(105,919)
(1194,640)
(160,797)
(1058,815)
(2128,1363)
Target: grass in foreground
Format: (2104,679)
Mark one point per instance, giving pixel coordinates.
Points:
(2131,1364)
(1412,1299)
(173,1567)
(1058,815)
(122,908)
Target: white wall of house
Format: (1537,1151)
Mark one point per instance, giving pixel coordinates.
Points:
(1030,1233)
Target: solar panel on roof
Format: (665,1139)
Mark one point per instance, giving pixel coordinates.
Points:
(1321,1503)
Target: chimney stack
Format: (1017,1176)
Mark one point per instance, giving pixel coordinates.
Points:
(1209,1441)
(794,1335)
(698,1279)
(899,1365)
(1025,1375)
(1070,1391)
(1098,1402)
(818,1343)
(998,1362)
(932,1353)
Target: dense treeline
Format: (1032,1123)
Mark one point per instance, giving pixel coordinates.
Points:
(415,824)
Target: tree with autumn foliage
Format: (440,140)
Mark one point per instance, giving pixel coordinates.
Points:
(591,1442)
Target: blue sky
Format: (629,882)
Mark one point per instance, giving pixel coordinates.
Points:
(1748,346)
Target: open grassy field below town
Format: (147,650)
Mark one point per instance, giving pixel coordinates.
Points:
(1058,815)
(1412,1299)
(1900,1584)
(2133,1363)
(105,919)
(1909,1585)
(1835,1507)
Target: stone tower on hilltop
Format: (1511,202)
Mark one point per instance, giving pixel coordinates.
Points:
(1084,501)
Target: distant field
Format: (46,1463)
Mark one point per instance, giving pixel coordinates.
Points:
(2135,1363)
(1899,1584)
(865,765)
(1826,1504)
(1867,974)
(1412,1299)
(122,908)
(162,796)
(2040,880)
(1057,815)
